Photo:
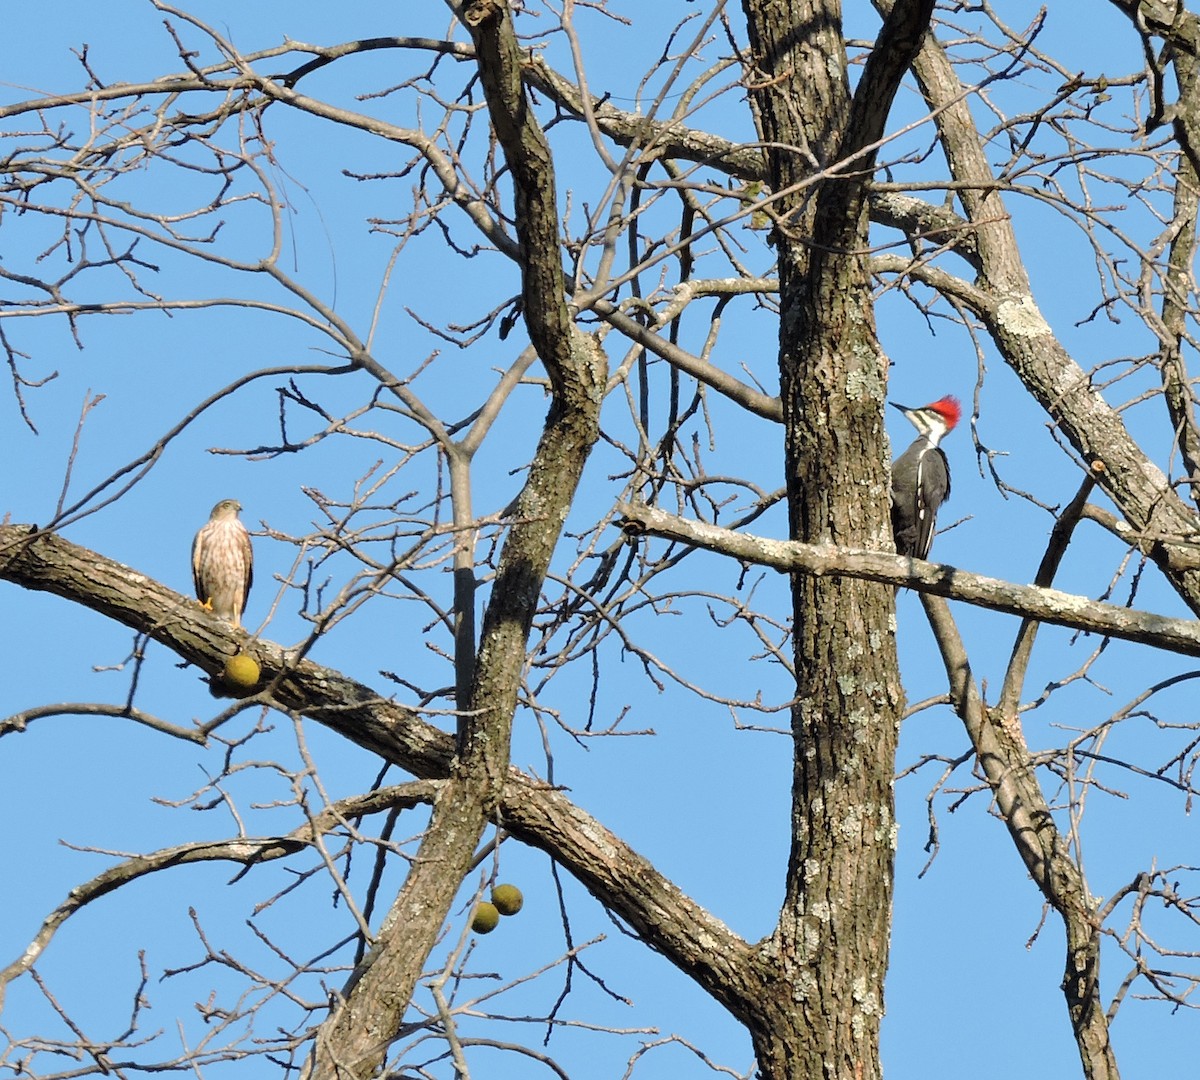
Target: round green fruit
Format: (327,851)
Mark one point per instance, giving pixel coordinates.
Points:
(508,899)
(241,672)
(486,918)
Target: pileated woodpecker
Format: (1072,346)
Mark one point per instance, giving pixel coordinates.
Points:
(921,477)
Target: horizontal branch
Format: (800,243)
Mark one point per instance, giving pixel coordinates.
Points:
(19,721)
(1027,601)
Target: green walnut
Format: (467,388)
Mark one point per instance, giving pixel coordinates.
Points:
(508,899)
(486,918)
(241,672)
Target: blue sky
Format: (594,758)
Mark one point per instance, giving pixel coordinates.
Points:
(706,802)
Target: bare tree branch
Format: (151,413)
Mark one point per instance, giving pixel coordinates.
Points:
(1028,601)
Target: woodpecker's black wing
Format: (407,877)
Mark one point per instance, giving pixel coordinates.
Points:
(933,489)
(925,485)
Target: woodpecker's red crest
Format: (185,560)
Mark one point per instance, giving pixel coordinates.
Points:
(949,407)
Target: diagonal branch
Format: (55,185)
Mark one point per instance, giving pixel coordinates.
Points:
(893,51)
(1181,29)
(627,884)
(1029,346)
(1056,549)
(247,850)
(752,400)
(1005,762)
(353,1044)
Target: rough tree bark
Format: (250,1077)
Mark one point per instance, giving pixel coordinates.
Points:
(830,949)
(811,994)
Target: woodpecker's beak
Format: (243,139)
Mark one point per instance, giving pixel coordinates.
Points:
(902,408)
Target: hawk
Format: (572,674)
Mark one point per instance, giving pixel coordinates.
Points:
(223,563)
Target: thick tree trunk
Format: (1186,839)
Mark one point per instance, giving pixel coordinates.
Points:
(828,957)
